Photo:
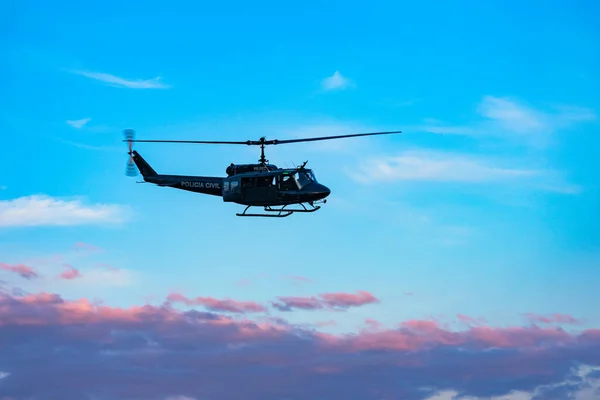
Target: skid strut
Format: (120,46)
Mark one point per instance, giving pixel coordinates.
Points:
(280,212)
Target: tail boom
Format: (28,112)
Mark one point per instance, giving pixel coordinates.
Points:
(199,184)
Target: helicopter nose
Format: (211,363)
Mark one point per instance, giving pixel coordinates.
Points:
(322,191)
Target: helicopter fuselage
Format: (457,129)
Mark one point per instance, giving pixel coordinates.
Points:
(243,190)
(269,187)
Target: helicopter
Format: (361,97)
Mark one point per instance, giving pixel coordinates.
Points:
(253,185)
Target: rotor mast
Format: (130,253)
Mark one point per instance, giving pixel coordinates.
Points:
(263,161)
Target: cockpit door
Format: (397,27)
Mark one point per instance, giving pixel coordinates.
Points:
(287,182)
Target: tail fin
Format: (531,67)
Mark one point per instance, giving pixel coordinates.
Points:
(145,168)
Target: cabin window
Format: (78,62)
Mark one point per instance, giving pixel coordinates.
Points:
(234,185)
(226,186)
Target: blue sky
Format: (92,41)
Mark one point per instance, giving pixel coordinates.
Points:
(486,205)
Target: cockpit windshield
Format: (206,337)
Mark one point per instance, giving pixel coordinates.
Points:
(305,177)
(311,175)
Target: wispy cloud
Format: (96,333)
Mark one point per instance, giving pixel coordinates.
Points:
(223,305)
(42,210)
(521,118)
(336,82)
(470,321)
(301,279)
(509,118)
(78,123)
(552,319)
(87,146)
(106,277)
(22,270)
(437,166)
(116,81)
(330,301)
(423,165)
(86,247)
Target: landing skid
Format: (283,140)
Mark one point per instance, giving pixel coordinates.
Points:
(280,212)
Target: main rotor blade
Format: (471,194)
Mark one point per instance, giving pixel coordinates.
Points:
(327,137)
(263,141)
(188,141)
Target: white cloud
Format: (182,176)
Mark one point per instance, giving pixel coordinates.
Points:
(523,119)
(78,123)
(180,398)
(418,165)
(454,395)
(336,81)
(513,116)
(108,277)
(87,146)
(41,210)
(434,166)
(581,384)
(116,81)
(509,118)
(4,374)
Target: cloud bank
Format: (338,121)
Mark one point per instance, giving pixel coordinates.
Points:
(156,352)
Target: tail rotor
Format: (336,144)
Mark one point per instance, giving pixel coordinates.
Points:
(131,169)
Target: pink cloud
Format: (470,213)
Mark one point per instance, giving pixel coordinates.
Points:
(304,303)
(87,247)
(325,323)
(372,324)
(345,300)
(167,352)
(70,273)
(551,319)
(470,321)
(218,305)
(300,279)
(21,269)
(333,301)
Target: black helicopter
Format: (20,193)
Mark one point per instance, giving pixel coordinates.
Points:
(253,185)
